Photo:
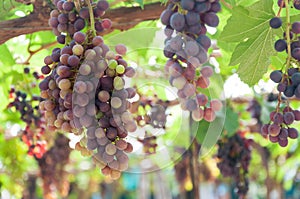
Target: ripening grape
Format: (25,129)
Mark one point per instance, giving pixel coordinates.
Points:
(187,4)
(209,115)
(274,130)
(110,149)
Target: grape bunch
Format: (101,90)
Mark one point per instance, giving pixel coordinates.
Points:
(187,52)
(85,94)
(27,106)
(67,18)
(288,84)
(234,155)
(52,168)
(149,143)
(279,130)
(150,110)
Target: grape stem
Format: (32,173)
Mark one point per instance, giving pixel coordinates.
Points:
(77,5)
(92,18)
(287,32)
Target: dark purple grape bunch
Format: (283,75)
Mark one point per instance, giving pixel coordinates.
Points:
(67,18)
(186,47)
(234,155)
(289,83)
(279,129)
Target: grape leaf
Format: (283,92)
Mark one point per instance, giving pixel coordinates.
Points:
(250,27)
(7,59)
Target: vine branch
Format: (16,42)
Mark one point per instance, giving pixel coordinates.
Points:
(123,18)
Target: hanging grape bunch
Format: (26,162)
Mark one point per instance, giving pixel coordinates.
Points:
(27,106)
(84,91)
(187,52)
(234,155)
(288,81)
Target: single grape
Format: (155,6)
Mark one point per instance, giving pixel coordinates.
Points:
(264,130)
(110,149)
(276,76)
(297,4)
(296,53)
(177,21)
(277,118)
(211,19)
(296,27)
(274,130)
(283,135)
(293,133)
(187,4)
(275,22)
(288,118)
(192,18)
(280,45)
(165,16)
(209,114)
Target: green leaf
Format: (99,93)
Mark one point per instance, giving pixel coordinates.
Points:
(250,27)
(253,57)
(140,2)
(6,58)
(231,121)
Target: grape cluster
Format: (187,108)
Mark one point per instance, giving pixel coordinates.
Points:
(234,155)
(85,94)
(67,18)
(187,52)
(149,143)
(255,110)
(150,111)
(52,168)
(279,129)
(32,134)
(288,83)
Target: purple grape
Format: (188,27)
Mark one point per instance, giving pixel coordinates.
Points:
(177,21)
(276,76)
(288,118)
(283,135)
(274,129)
(296,53)
(280,45)
(192,18)
(283,143)
(296,78)
(293,133)
(187,4)
(275,22)
(165,16)
(297,4)
(211,19)
(264,130)
(277,118)
(296,27)
(281,87)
